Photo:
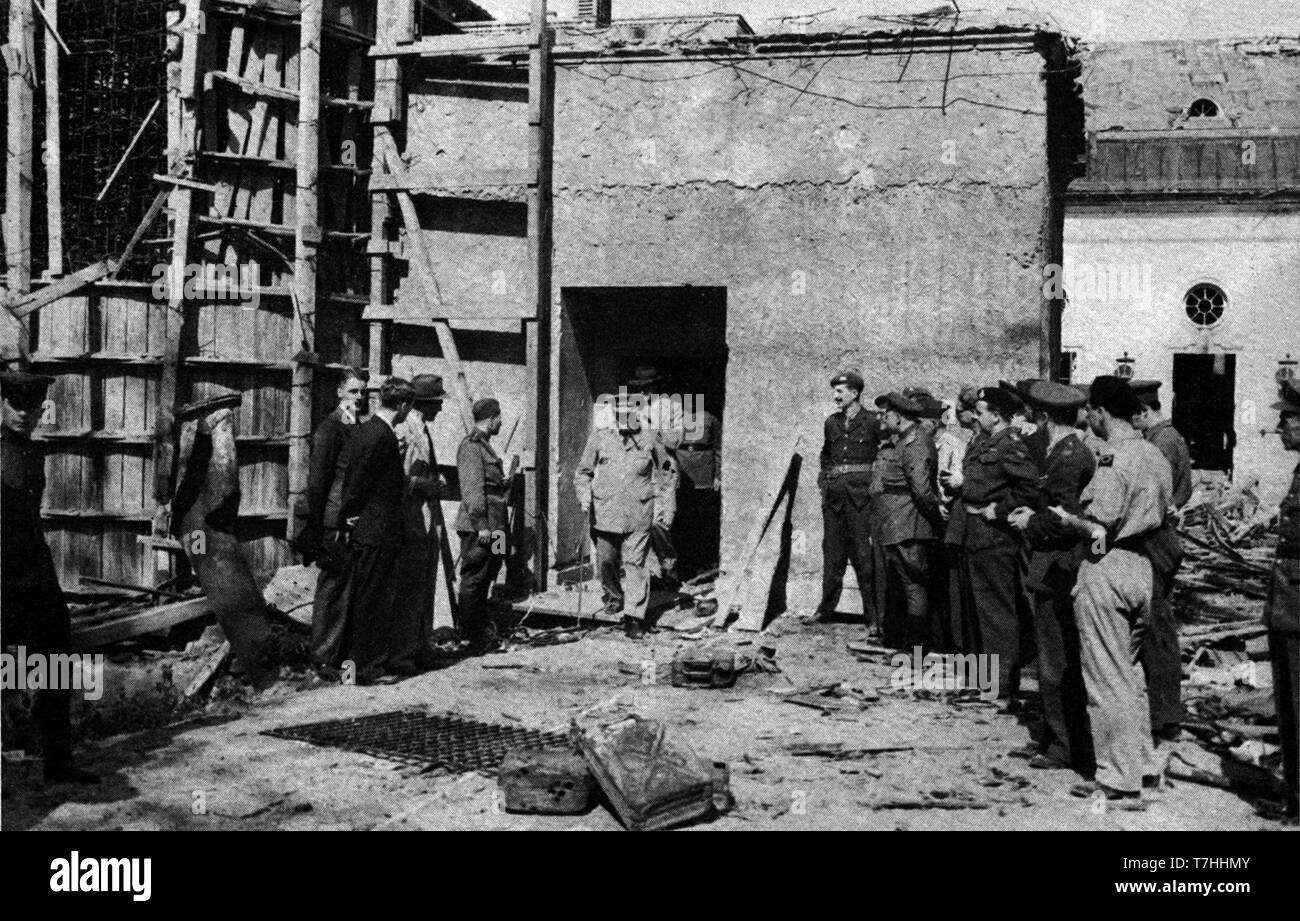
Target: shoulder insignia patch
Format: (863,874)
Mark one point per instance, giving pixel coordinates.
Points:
(1106,460)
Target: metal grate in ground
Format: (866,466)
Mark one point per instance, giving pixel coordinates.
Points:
(418,738)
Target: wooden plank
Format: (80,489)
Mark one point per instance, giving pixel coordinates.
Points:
(21,60)
(151,620)
(430,179)
(261,91)
(541,105)
(24,305)
(306,249)
(52,156)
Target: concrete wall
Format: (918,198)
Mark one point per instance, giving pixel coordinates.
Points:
(1254,258)
(853,221)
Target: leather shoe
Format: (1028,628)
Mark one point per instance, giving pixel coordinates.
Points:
(632,628)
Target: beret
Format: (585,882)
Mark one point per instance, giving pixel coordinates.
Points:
(899,403)
(1053,395)
(486,408)
(850,379)
(1145,390)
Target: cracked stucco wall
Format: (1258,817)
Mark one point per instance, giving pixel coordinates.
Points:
(860,211)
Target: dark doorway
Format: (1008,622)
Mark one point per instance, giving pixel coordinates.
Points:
(605,334)
(1204,407)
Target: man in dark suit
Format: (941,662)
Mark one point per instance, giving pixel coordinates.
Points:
(322,535)
(34,613)
(852,439)
(371,511)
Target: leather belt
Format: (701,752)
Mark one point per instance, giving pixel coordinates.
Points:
(842,469)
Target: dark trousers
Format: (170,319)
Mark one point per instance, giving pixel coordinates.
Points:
(415,581)
(369,591)
(996,584)
(695,530)
(478,570)
(1284,654)
(37,618)
(846,537)
(329,615)
(963,623)
(1162,657)
(907,616)
(1066,735)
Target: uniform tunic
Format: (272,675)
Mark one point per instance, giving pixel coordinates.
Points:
(1174,447)
(699,464)
(482,508)
(1053,567)
(908,521)
(998,471)
(1128,496)
(849,448)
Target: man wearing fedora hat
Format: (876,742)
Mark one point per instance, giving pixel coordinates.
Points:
(1282,609)
(34,612)
(415,575)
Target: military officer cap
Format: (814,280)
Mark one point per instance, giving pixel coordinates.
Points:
(1001,400)
(1114,395)
(428,387)
(1290,394)
(19,385)
(486,408)
(850,379)
(900,403)
(1145,391)
(1051,395)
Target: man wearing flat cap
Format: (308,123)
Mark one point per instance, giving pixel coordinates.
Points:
(1053,567)
(851,440)
(1161,652)
(481,522)
(371,513)
(31,602)
(908,521)
(415,574)
(998,476)
(626,482)
(1123,508)
(1282,608)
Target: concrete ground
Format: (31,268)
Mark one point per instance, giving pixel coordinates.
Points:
(218,772)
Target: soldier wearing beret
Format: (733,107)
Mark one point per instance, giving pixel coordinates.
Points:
(627,482)
(1282,609)
(1161,653)
(849,447)
(481,522)
(1053,568)
(908,521)
(34,612)
(1123,507)
(415,575)
(998,476)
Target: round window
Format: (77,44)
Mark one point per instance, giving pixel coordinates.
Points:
(1205,304)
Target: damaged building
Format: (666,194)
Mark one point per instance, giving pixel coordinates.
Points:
(531,215)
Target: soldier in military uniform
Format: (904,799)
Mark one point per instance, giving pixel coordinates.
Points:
(629,480)
(34,613)
(850,444)
(1123,509)
(998,476)
(662,418)
(1161,652)
(1282,609)
(908,521)
(322,535)
(1053,568)
(481,522)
